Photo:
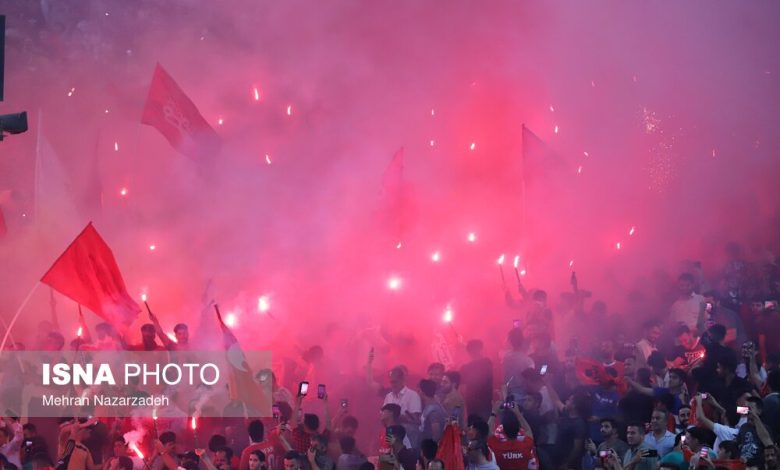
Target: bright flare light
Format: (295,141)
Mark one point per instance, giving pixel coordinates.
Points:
(433,143)
(79,331)
(579,170)
(220,121)
(194,423)
(617,245)
(473,146)
(472,237)
(552,110)
(435,257)
(394,283)
(72,90)
(522,272)
(123,192)
(586,154)
(447,317)
(501,259)
(171,337)
(289,110)
(433,112)
(571,263)
(556,129)
(152,247)
(154,414)
(631,232)
(256,93)
(267,158)
(398,246)
(143,297)
(116,146)
(517,261)
(137,451)
(263,304)
(230,319)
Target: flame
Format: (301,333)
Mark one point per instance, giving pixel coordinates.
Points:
(116,146)
(432,142)
(154,414)
(289,110)
(586,154)
(123,192)
(501,259)
(143,297)
(398,246)
(433,112)
(231,319)
(631,232)
(194,423)
(617,245)
(517,261)
(447,318)
(473,146)
(435,257)
(556,129)
(552,110)
(79,331)
(472,237)
(172,337)
(394,283)
(579,170)
(571,263)
(263,304)
(137,451)
(152,247)
(267,158)
(220,121)
(522,272)
(256,92)
(72,90)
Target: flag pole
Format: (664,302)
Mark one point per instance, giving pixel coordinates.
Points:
(16,316)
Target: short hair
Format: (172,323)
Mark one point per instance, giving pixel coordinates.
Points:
(125,462)
(539,295)
(147,327)
(656,360)
(167,437)
(228,452)
(428,448)
(349,421)
(679,373)
(454,377)
(256,430)
(686,277)
(481,427)
(756,401)
(292,455)
(728,360)
(683,406)
(700,434)
(612,422)
(321,439)
(511,424)
(259,454)
(681,329)
(731,448)
(428,388)
(436,365)
(394,409)
(474,346)
(515,337)
(180,326)
(311,421)
(347,444)
(29,427)
(664,411)
(216,442)
(397,373)
(636,424)
(396,430)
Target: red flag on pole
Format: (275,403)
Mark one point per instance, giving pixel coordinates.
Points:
(88,274)
(242,386)
(171,112)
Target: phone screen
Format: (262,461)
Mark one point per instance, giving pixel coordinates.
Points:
(321,391)
(742,410)
(303,388)
(543,370)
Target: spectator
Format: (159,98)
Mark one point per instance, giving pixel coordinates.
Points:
(477,380)
(223,458)
(696,439)
(638,455)
(350,458)
(390,416)
(771,413)
(477,454)
(645,346)
(453,402)
(676,389)
(609,441)
(513,449)
(433,415)
(292,460)
(428,449)
(660,376)
(715,313)
(573,430)
(686,309)
(317,453)
(436,372)
(675,458)
(683,418)
(407,399)
(399,453)
(257,442)
(515,362)
(747,432)
(659,438)
(728,450)
(256,460)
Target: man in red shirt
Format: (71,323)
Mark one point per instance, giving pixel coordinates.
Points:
(256,432)
(514,450)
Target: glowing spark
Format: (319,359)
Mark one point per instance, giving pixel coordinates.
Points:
(398,246)
(631,232)
(123,192)
(552,110)
(556,129)
(24,215)
(257,94)
(106,13)
(517,261)
(106,110)
(289,110)
(152,247)
(593,84)
(220,121)
(571,263)
(522,272)
(394,283)
(154,414)
(194,424)
(586,154)
(473,146)
(171,337)
(501,259)
(72,90)
(432,143)
(447,318)
(137,451)
(143,297)
(579,170)
(713,153)
(263,304)
(230,319)
(433,112)
(617,245)
(116,146)
(472,237)
(78,332)
(435,257)
(267,158)
(701,354)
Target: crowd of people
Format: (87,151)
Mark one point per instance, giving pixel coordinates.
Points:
(699,387)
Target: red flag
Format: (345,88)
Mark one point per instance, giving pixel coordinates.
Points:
(242,386)
(88,274)
(171,112)
(450,450)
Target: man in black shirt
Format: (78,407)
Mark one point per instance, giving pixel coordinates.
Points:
(476,379)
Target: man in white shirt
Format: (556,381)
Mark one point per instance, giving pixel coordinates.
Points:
(408,400)
(647,345)
(688,306)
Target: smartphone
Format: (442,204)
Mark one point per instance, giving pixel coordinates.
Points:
(651,453)
(603,454)
(770,304)
(516,324)
(543,370)
(303,389)
(704,452)
(321,391)
(344,403)
(682,439)
(709,307)
(704,396)
(743,410)
(277,413)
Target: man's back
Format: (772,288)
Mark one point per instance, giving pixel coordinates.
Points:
(515,362)
(513,454)
(477,378)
